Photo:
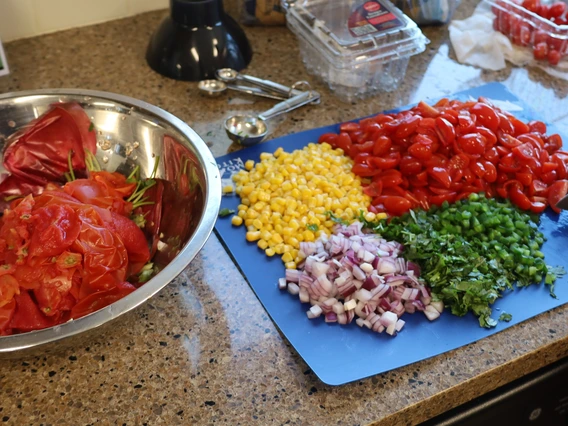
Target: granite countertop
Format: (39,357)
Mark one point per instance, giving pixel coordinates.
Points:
(204,351)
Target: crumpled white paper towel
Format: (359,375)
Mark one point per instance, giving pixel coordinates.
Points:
(476,43)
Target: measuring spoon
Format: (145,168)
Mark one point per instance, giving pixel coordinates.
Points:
(229,75)
(249,129)
(214,88)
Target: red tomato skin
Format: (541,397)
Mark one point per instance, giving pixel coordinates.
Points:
(105,258)
(90,191)
(133,239)
(101,299)
(27,316)
(9,287)
(63,129)
(6,314)
(56,227)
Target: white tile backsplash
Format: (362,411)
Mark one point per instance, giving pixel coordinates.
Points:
(26,18)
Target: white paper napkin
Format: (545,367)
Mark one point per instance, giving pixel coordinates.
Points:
(476,43)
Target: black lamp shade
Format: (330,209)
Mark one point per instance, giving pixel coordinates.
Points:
(197,39)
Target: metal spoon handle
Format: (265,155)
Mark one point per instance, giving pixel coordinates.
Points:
(269,85)
(288,105)
(256,91)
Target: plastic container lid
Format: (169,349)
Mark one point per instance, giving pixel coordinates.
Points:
(352,32)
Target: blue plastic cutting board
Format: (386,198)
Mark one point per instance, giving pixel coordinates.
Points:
(341,354)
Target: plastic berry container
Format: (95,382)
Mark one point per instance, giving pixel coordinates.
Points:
(533,26)
(358,48)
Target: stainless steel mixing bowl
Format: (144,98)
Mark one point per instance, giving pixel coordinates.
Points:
(130,133)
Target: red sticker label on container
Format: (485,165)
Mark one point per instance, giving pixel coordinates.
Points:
(372,17)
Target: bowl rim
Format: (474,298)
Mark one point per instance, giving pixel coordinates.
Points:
(212,201)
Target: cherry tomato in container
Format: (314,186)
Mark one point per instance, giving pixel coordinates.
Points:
(540,51)
(557,9)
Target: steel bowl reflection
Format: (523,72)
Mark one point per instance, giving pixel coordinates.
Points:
(131,133)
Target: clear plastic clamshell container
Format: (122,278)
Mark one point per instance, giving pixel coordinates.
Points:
(357,47)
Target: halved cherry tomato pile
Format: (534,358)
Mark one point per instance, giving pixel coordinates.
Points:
(546,46)
(67,252)
(431,154)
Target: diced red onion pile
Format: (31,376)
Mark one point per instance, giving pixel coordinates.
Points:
(353,274)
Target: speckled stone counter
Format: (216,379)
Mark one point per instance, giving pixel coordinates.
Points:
(204,351)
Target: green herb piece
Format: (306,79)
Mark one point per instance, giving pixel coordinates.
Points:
(226,212)
(554,272)
(91,162)
(155,169)
(139,220)
(471,252)
(12,198)
(133,177)
(70,175)
(505,317)
(146,273)
(91,127)
(312,227)
(137,198)
(336,219)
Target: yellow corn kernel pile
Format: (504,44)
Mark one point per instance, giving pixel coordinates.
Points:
(285,197)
